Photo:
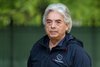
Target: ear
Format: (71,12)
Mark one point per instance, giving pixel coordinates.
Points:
(67,27)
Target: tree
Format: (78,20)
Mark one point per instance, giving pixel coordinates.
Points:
(29,12)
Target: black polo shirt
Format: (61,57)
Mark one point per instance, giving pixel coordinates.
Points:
(68,53)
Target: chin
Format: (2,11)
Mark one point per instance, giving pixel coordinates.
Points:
(53,36)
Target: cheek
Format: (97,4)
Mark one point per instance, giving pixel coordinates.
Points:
(47,29)
(63,29)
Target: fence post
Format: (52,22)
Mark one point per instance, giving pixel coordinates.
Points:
(11,43)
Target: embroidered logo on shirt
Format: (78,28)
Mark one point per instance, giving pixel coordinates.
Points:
(59,58)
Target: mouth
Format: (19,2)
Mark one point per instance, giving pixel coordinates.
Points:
(53,32)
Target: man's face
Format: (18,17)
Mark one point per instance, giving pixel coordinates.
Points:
(55,26)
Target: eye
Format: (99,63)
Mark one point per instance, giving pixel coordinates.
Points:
(48,21)
(58,21)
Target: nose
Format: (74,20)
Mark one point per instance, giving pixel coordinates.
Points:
(53,25)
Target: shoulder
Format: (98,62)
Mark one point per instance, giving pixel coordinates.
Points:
(79,54)
(72,42)
(81,57)
(76,46)
(41,42)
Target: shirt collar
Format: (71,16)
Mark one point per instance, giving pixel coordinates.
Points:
(45,41)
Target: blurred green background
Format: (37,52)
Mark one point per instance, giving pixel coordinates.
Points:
(21,26)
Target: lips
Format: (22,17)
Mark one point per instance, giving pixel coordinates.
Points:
(53,32)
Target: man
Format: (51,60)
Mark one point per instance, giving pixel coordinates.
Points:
(58,48)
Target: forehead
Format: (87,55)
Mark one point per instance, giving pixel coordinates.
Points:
(54,15)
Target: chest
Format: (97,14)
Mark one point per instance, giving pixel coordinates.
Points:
(53,58)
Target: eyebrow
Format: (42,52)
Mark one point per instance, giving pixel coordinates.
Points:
(58,20)
(47,19)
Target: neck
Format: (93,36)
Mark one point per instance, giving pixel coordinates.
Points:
(54,41)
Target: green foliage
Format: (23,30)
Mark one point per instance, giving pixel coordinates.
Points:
(4,21)
(86,12)
(29,12)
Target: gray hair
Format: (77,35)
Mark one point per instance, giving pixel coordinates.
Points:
(61,9)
